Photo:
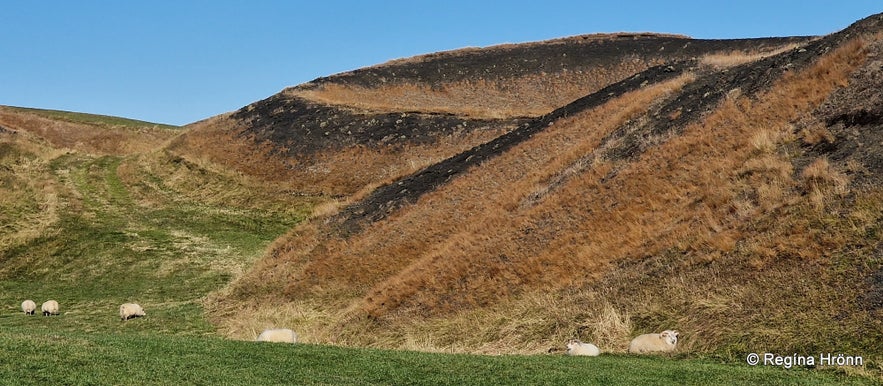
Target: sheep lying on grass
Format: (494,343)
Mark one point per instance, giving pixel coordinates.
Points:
(280,335)
(576,347)
(131,310)
(665,341)
(49,307)
(28,306)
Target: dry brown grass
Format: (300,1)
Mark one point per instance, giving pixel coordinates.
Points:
(29,196)
(352,264)
(822,180)
(87,138)
(816,134)
(216,144)
(469,255)
(735,58)
(531,95)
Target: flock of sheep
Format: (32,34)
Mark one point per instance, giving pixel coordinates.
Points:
(50,307)
(133,310)
(665,341)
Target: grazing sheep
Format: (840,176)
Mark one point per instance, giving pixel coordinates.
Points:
(663,342)
(130,310)
(280,335)
(28,306)
(576,347)
(49,307)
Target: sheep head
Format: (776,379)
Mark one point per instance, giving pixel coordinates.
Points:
(670,337)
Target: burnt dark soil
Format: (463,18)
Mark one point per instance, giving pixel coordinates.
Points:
(707,91)
(298,128)
(304,128)
(853,116)
(582,53)
(628,142)
(388,198)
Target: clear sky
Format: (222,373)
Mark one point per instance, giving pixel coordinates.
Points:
(181,61)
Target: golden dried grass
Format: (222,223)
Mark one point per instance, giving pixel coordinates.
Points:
(217,144)
(816,134)
(88,138)
(735,58)
(655,203)
(822,180)
(529,95)
(450,234)
(472,252)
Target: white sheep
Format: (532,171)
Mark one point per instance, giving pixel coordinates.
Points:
(663,342)
(280,335)
(28,306)
(131,310)
(49,307)
(576,347)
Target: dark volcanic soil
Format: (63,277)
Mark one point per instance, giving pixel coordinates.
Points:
(853,116)
(304,128)
(582,53)
(707,91)
(697,98)
(388,198)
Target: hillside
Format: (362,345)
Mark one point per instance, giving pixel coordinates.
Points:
(397,118)
(729,189)
(496,200)
(93,213)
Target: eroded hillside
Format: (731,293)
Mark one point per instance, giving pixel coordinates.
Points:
(394,119)
(731,192)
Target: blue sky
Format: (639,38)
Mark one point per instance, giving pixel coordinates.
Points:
(181,61)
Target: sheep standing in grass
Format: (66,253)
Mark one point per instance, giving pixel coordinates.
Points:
(28,306)
(576,347)
(280,335)
(49,307)
(131,310)
(665,341)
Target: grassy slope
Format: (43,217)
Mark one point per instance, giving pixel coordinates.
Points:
(91,119)
(96,231)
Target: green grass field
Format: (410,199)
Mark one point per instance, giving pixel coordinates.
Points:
(37,355)
(147,240)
